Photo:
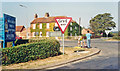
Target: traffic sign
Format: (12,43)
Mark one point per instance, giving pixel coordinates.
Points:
(63,22)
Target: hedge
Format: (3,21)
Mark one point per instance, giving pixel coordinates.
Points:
(116,37)
(30,51)
(39,39)
(21,41)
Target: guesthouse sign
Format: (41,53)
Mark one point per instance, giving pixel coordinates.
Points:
(10,24)
(7,28)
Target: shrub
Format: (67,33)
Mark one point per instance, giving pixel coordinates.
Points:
(39,39)
(21,41)
(116,37)
(30,51)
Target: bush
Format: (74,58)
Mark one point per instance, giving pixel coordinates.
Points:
(30,51)
(116,37)
(21,41)
(39,39)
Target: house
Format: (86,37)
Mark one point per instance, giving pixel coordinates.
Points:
(84,31)
(21,31)
(43,25)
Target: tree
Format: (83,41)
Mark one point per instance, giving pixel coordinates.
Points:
(102,22)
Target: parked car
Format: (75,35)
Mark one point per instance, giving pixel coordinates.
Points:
(17,37)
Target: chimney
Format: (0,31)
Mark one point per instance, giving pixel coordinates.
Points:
(36,16)
(46,15)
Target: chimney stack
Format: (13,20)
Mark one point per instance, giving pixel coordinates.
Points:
(46,15)
(36,16)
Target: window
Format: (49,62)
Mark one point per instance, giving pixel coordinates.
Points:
(33,34)
(70,34)
(75,34)
(47,25)
(40,34)
(47,34)
(70,23)
(56,24)
(40,25)
(70,28)
(75,27)
(36,33)
(34,26)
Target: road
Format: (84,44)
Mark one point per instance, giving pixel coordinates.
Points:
(107,59)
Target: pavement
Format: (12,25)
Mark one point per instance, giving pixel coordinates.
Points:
(93,51)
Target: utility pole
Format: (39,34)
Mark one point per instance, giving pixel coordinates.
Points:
(79,25)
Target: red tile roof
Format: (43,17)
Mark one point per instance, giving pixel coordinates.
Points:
(46,20)
(90,31)
(20,28)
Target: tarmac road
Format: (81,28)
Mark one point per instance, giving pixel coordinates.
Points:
(107,59)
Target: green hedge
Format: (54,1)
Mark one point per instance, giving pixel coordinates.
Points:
(39,39)
(116,37)
(21,41)
(31,51)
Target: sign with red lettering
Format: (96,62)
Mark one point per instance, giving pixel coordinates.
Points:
(63,22)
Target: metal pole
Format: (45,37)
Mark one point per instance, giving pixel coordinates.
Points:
(63,44)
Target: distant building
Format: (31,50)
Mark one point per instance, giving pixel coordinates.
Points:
(44,25)
(84,31)
(21,31)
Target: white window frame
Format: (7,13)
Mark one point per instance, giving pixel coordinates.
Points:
(56,25)
(47,26)
(40,25)
(40,34)
(34,26)
(75,27)
(33,34)
(47,34)
(70,28)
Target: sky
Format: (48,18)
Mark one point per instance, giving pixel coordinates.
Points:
(77,9)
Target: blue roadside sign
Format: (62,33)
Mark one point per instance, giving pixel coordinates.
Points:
(10,26)
(7,29)
(1,29)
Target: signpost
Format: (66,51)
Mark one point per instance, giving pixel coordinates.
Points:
(63,23)
(107,32)
(7,26)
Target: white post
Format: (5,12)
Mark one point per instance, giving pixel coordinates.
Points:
(63,44)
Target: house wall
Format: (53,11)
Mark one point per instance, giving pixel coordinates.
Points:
(84,31)
(75,29)
(51,25)
(18,33)
(44,28)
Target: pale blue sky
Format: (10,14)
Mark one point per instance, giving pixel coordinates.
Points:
(85,10)
(60,0)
